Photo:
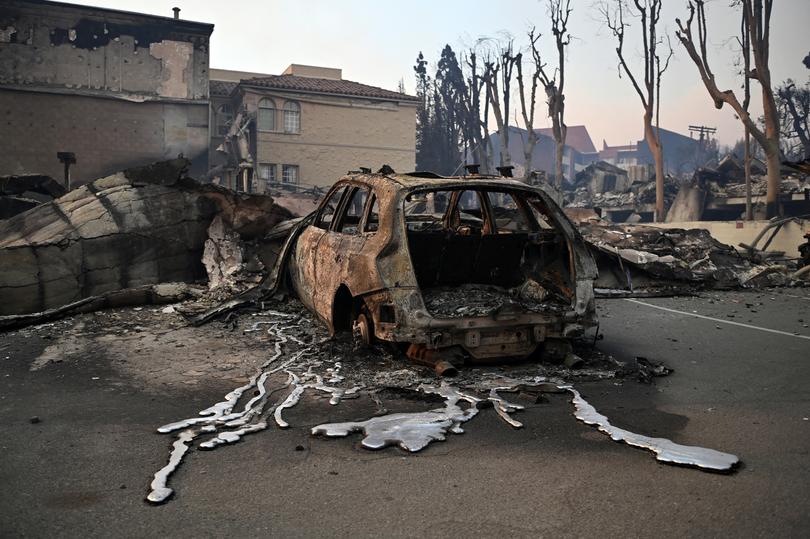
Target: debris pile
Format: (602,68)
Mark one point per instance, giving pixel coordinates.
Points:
(229,264)
(139,227)
(718,192)
(619,197)
(647,261)
(19,193)
(483,300)
(714,192)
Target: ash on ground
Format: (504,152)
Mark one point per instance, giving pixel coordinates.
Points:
(156,349)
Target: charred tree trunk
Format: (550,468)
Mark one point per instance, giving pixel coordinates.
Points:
(649,90)
(651,137)
(749,210)
(503,68)
(757,15)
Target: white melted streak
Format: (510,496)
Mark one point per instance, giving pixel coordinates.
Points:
(665,450)
(221,414)
(503,407)
(160,492)
(292,399)
(232,436)
(221,411)
(311,381)
(411,431)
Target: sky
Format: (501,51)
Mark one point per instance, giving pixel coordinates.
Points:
(376,42)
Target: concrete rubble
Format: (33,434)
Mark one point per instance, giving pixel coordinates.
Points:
(139,227)
(618,197)
(19,193)
(645,260)
(715,191)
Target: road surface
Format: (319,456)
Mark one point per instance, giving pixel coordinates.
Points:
(83,469)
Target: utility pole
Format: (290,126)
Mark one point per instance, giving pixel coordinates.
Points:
(703,133)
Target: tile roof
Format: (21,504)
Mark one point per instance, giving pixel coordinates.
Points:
(221,87)
(576,137)
(326,86)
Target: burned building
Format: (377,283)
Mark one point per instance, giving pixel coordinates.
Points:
(114,88)
(718,193)
(682,154)
(578,152)
(305,127)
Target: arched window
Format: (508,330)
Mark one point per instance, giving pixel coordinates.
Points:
(224,117)
(292,117)
(267,115)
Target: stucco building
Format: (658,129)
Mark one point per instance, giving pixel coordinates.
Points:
(115,88)
(305,127)
(119,89)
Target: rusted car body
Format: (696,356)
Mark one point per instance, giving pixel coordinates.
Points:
(398,257)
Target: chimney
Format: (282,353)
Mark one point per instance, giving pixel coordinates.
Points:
(176,12)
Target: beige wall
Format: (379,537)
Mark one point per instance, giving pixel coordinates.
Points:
(788,239)
(338,134)
(85,49)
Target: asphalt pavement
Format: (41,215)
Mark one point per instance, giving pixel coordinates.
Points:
(78,447)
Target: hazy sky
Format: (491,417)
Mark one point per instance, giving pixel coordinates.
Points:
(376,42)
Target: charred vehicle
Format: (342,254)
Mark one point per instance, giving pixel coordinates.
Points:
(460,268)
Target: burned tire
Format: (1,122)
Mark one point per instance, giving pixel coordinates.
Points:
(363,329)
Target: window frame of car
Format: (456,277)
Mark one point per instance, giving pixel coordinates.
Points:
(337,224)
(338,187)
(487,214)
(372,199)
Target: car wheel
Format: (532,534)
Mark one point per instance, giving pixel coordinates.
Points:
(363,329)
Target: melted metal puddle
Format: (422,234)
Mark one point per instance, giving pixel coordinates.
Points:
(412,431)
(228,426)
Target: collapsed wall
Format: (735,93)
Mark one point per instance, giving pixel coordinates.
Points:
(142,226)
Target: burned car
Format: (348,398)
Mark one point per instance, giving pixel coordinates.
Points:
(458,268)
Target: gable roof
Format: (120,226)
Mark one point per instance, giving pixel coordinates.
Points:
(326,86)
(576,137)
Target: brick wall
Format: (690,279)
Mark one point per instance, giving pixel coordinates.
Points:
(105,134)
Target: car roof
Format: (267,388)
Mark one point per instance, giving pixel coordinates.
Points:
(417,181)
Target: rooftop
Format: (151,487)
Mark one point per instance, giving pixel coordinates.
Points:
(221,87)
(326,86)
(169,19)
(577,137)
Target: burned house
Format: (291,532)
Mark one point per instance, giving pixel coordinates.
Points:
(114,88)
(304,128)
(681,154)
(619,196)
(578,152)
(718,193)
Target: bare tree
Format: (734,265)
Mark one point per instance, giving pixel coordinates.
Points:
(793,104)
(757,14)
(649,91)
(502,68)
(527,107)
(477,135)
(555,92)
(745,46)
(559,11)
